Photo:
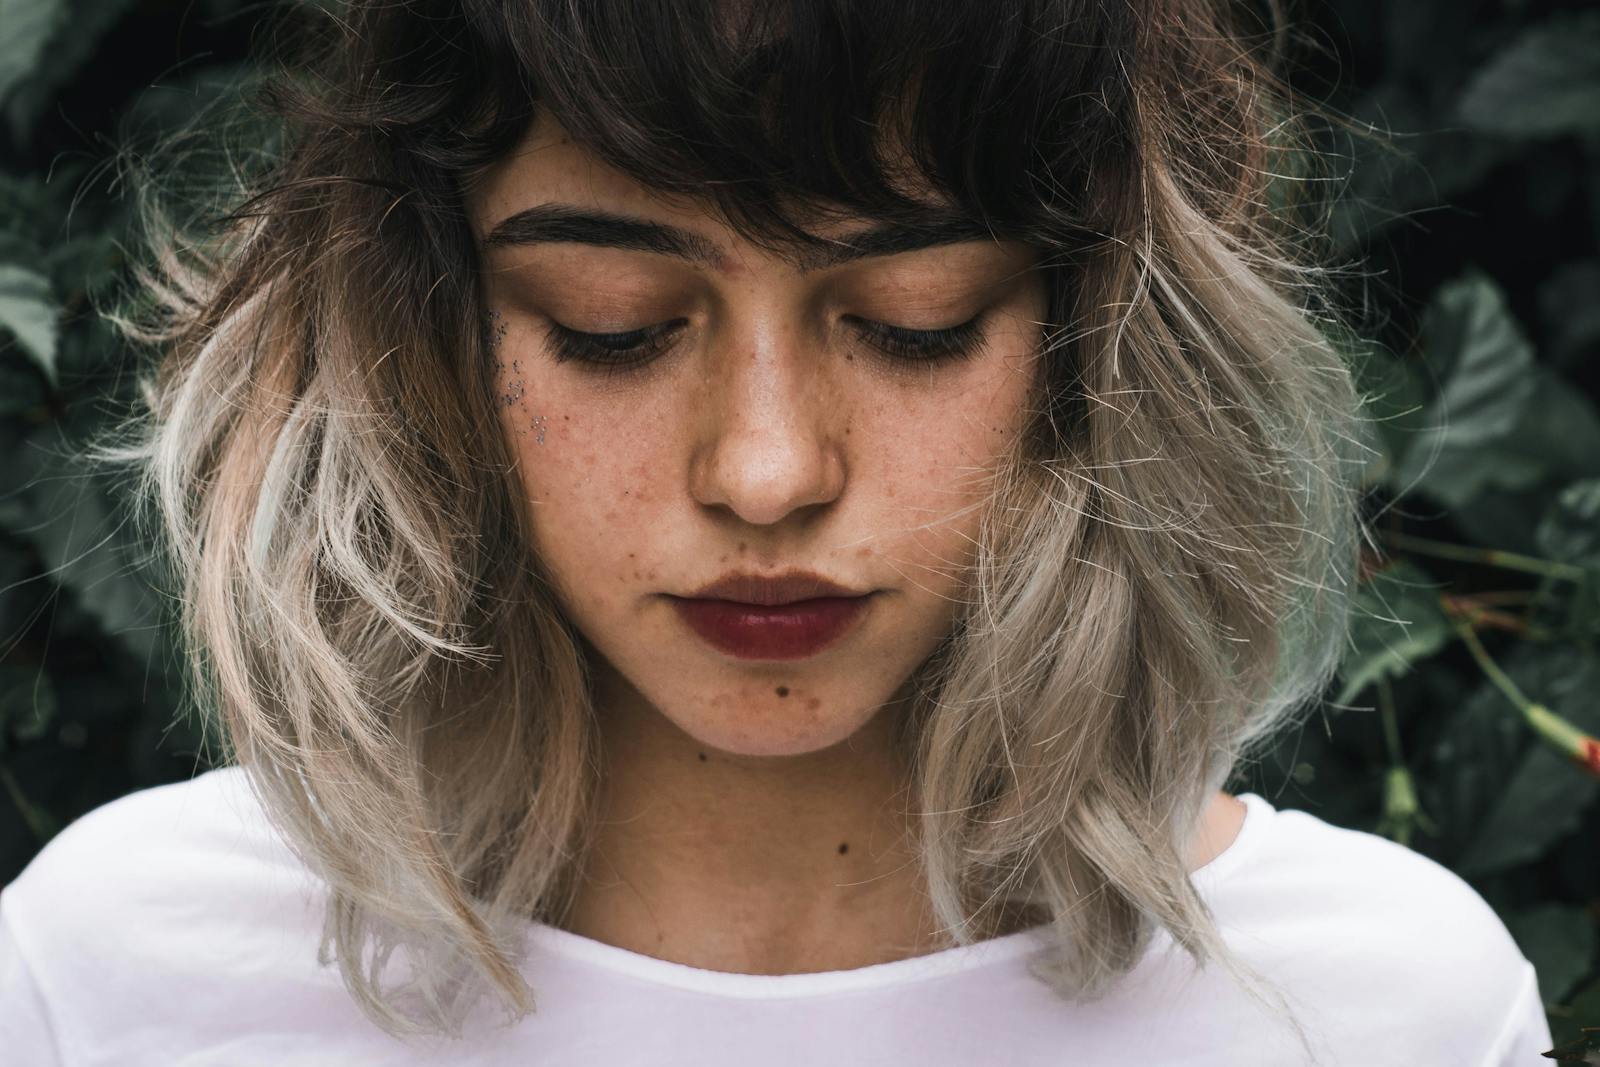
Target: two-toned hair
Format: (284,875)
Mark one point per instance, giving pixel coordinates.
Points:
(1166,559)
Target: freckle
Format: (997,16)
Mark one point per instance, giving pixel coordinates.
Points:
(783,690)
(722,558)
(566,418)
(742,546)
(813,704)
(630,555)
(702,757)
(863,552)
(844,846)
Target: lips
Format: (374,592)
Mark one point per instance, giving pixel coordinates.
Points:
(789,631)
(772,590)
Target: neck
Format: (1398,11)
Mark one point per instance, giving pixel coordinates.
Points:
(769,864)
(753,864)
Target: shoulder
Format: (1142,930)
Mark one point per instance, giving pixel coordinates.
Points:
(1337,880)
(206,829)
(1367,929)
(153,899)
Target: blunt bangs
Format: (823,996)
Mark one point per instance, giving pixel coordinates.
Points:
(996,109)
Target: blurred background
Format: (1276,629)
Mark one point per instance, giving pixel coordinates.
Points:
(1463,720)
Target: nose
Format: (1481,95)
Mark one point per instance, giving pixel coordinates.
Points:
(769,444)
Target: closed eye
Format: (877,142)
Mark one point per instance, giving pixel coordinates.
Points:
(615,352)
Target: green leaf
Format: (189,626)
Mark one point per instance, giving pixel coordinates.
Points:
(1569,531)
(26,26)
(20,390)
(1474,752)
(80,27)
(28,311)
(1395,622)
(1560,940)
(179,103)
(1544,83)
(1543,802)
(86,544)
(1410,165)
(1556,440)
(1502,518)
(1392,397)
(1569,311)
(1583,1010)
(1487,379)
(1545,797)
(27,702)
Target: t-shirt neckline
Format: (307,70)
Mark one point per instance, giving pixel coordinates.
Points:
(943,963)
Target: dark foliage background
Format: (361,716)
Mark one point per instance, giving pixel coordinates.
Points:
(1460,720)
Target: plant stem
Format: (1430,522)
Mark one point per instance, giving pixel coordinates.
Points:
(1499,677)
(37,821)
(1493,557)
(1573,743)
(1391,727)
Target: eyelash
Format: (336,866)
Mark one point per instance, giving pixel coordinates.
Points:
(614,352)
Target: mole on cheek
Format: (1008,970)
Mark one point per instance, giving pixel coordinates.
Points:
(783,690)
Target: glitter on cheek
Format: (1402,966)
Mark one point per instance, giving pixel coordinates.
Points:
(494,326)
(514,393)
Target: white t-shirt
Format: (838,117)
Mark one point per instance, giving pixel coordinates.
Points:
(172,927)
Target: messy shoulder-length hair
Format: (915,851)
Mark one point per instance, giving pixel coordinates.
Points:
(1166,558)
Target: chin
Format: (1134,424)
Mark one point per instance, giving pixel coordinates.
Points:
(767,725)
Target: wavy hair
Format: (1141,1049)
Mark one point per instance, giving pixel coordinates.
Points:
(1166,559)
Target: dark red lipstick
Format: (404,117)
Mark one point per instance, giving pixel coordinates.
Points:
(782,617)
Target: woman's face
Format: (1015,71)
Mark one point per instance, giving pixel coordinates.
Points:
(763,417)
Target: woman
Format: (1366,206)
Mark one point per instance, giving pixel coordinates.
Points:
(754,533)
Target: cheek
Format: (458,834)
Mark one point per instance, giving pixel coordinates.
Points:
(937,467)
(949,443)
(591,489)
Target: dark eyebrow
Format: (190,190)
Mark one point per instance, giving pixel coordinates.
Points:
(548,223)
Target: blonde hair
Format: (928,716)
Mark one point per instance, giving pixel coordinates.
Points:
(1165,563)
